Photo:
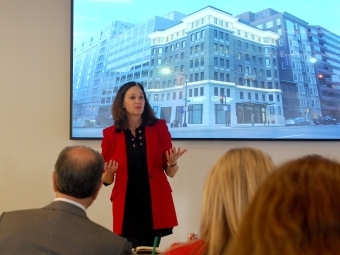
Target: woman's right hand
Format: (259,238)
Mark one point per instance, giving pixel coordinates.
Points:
(111,166)
(110,169)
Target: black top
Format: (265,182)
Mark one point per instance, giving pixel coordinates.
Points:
(138,213)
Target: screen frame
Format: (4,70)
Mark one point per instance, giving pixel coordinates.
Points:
(172,125)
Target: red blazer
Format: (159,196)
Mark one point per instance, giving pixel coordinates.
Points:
(158,141)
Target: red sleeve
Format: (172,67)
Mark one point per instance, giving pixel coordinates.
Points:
(166,140)
(107,143)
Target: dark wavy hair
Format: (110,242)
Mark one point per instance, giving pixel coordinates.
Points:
(119,113)
(78,174)
(295,211)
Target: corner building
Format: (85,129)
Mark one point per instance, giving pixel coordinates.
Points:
(214,69)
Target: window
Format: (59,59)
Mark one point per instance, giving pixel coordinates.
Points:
(202,76)
(221,62)
(197,48)
(196,62)
(241,95)
(215,33)
(215,91)
(195,92)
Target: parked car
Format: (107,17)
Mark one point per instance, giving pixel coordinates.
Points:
(298,121)
(326,120)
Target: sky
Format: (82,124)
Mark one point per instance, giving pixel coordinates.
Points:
(90,16)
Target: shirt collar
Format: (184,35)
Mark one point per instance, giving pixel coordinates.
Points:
(71,202)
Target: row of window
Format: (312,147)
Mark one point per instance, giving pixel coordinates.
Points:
(256,96)
(307,103)
(192,92)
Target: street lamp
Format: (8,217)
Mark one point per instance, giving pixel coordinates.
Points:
(185,101)
(167,71)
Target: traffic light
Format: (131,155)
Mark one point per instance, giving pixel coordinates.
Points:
(221,99)
(321,78)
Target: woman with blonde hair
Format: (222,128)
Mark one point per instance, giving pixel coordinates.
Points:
(228,190)
(295,211)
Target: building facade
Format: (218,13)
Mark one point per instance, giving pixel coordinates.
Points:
(308,64)
(220,71)
(325,47)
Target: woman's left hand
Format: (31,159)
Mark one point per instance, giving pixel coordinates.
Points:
(173,154)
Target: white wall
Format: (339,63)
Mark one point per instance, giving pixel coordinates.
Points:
(35,104)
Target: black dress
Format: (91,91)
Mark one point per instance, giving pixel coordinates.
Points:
(137,222)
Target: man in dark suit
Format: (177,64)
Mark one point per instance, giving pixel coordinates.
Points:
(62,227)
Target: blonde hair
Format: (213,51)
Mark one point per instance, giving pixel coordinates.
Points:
(228,190)
(295,211)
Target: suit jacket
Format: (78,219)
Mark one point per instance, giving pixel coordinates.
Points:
(59,228)
(158,141)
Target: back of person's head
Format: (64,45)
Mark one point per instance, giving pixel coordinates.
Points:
(78,171)
(295,211)
(229,187)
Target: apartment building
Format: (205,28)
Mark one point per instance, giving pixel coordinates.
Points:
(297,66)
(219,71)
(325,47)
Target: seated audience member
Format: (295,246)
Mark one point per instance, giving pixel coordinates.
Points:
(295,211)
(229,187)
(62,227)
